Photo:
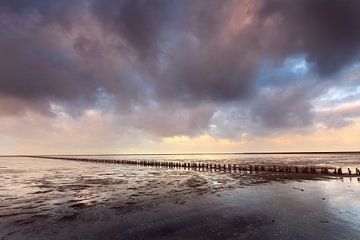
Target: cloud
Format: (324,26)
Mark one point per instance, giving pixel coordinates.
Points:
(326,31)
(229,69)
(340,116)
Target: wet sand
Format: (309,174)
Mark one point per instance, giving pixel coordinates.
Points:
(49,199)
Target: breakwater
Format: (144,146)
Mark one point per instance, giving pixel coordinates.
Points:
(202,166)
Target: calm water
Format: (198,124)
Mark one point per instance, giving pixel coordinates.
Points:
(44,198)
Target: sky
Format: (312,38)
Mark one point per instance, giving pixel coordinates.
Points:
(169,76)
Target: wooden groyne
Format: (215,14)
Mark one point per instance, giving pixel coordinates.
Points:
(217,167)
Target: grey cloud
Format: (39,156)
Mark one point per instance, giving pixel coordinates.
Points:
(33,68)
(170,120)
(327,31)
(46,12)
(190,59)
(339,117)
(274,111)
(284,108)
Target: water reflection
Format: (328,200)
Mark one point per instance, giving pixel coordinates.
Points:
(42,191)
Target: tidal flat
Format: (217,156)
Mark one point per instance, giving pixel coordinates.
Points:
(55,199)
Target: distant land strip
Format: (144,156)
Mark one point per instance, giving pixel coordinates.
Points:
(201,153)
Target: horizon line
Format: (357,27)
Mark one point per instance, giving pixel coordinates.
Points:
(194,153)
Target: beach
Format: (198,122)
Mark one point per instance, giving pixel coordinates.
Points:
(55,199)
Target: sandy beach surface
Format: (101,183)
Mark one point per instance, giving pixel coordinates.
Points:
(54,199)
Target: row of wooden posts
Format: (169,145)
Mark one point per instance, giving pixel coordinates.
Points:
(216,167)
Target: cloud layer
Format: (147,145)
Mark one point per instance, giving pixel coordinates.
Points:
(227,69)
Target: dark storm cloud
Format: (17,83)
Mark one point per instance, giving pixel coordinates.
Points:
(58,12)
(33,67)
(140,23)
(46,59)
(172,55)
(185,39)
(176,43)
(327,31)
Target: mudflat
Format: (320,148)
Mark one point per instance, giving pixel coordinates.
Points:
(49,199)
